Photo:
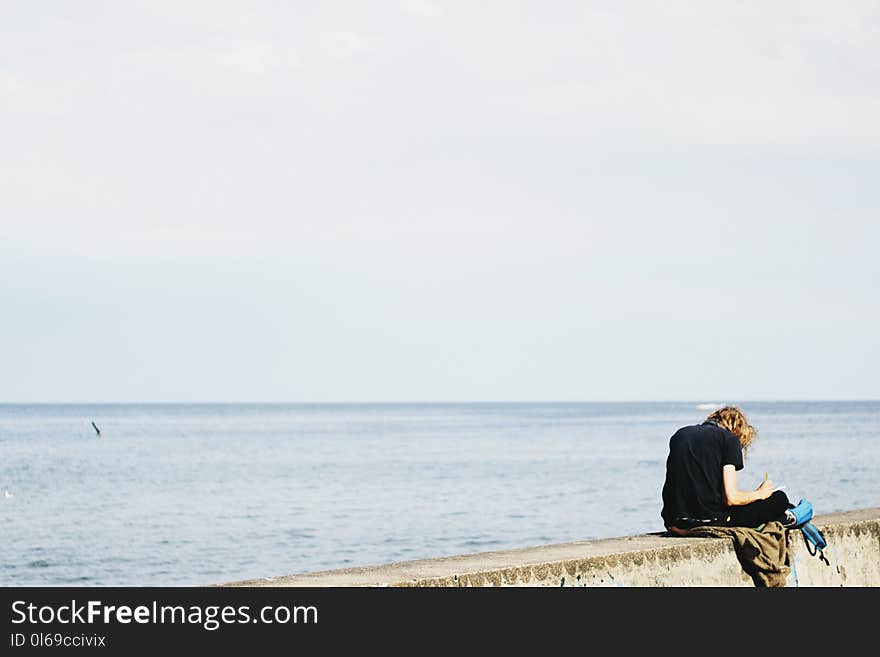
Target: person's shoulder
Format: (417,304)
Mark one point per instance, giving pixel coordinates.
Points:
(706,430)
(689,427)
(715,428)
(692,428)
(686,431)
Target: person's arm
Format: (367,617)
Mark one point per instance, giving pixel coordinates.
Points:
(733,496)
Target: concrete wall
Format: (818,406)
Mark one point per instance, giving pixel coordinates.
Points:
(645,560)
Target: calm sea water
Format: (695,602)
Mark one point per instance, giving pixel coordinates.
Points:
(201,494)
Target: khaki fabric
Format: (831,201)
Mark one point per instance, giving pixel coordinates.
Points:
(764,553)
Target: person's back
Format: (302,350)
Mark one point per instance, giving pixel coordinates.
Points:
(694,487)
(701,483)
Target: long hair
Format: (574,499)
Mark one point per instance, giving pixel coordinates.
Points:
(733,419)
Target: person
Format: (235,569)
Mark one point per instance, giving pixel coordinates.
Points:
(700,487)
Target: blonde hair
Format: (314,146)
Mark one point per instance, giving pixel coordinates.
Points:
(733,419)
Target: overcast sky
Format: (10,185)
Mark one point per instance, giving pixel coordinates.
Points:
(439,201)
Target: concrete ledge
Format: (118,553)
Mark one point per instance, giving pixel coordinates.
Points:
(644,560)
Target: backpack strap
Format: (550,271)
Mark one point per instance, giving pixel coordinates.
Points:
(815,541)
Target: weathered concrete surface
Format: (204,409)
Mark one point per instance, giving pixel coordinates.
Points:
(645,560)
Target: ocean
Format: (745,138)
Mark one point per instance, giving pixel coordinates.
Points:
(194,494)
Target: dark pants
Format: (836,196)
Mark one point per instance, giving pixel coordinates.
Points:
(759,512)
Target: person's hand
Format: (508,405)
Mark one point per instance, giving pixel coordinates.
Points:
(766,489)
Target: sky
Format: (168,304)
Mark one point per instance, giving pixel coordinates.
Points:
(439,201)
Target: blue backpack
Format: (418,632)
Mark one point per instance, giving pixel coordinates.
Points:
(813,538)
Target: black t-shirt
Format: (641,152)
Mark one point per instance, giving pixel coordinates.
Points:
(694,486)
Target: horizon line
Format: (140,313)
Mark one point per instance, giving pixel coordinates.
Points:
(441,401)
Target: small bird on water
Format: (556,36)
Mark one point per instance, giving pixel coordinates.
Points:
(97,430)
